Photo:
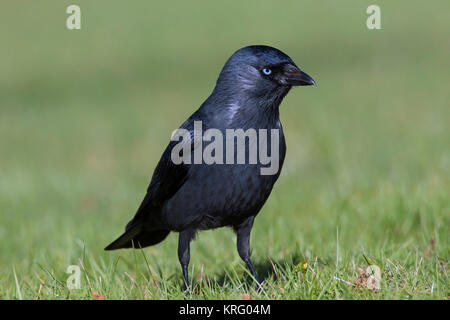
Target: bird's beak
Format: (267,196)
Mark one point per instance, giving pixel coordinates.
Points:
(293,76)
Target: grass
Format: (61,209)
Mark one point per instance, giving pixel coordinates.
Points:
(85,115)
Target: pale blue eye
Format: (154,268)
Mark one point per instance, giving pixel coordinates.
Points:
(267,71)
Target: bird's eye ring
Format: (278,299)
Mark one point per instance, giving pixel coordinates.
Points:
(267,71)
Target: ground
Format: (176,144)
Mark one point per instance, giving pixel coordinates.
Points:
(85,115)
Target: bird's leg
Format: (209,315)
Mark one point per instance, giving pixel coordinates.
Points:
(243,245)
(184,253)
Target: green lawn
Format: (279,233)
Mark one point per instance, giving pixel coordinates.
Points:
(85,115)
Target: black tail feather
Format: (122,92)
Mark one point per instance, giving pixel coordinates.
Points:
(138,238)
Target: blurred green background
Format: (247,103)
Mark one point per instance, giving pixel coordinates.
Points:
(85,115)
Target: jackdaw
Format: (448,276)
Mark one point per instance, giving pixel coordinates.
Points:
(188,196)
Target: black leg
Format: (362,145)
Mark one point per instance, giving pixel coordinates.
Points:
(243,245)
(184,253)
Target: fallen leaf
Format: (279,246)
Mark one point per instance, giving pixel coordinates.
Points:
(369,278)
(245,296)
(96,296)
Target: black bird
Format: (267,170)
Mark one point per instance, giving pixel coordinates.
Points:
(186,197)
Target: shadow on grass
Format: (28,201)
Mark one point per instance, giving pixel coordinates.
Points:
(266,269)
(237,277)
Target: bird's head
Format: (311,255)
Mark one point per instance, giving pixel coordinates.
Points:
(261,71)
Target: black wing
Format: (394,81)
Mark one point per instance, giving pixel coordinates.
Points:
(167,179)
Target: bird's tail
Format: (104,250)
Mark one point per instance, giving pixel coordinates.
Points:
(136,237)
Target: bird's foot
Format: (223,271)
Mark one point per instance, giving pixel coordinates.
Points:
(187,290)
